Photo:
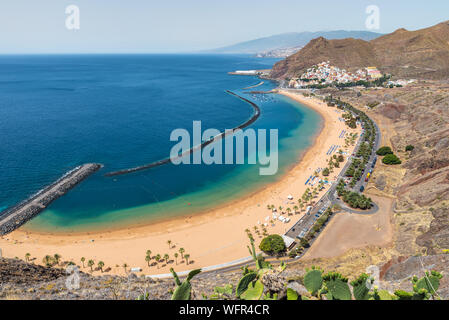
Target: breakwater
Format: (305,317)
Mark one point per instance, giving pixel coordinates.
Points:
(14,217)
(254,86)
(247,123)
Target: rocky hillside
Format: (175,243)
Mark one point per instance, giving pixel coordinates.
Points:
(25,281)
(420,54)
(416,115)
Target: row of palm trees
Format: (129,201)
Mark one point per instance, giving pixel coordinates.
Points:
(48,260)
(91,263)
(166,257)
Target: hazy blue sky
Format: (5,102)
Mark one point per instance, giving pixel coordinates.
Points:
(187,25)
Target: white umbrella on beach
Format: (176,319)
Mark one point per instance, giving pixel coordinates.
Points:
(290,197)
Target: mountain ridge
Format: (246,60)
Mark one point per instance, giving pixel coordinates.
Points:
(421,53)
(289,40)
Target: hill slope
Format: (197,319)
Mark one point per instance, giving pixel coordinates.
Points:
(411,54)
(291,40)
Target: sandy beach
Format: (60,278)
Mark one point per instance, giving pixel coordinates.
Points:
(210,238)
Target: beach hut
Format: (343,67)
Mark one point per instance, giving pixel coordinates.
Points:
(290,197)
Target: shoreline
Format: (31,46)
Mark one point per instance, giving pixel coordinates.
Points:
(210,237)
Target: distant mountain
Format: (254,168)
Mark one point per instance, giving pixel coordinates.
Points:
(291,40)
(409,54)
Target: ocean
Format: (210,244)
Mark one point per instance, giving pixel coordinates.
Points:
(60,111)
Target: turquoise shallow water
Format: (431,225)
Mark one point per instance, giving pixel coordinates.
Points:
(57,112)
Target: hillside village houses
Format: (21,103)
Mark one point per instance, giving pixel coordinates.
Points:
(324,74)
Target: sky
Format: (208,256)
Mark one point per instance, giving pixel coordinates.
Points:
(170,26)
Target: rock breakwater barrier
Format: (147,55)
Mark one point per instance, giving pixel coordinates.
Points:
(247,123)
(16,216)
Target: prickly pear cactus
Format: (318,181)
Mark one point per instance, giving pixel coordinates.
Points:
(244,283)
(337,286)
(430,282)
(403,295)
(313,280)
(254,291)
(361,287)
(292,294)
(183,290)
(268,296)
(381,295)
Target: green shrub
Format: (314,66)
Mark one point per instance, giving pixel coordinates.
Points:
(409,148)
(384,151)
(273,244)
(391,159)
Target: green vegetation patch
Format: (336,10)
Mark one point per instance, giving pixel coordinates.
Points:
(273,244)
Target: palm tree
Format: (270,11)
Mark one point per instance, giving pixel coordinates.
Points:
(90,264)
(187,256)
(176,257)
(166,257)
(149,253)
(181,251)
(57,258)
(47,260)
(296,209)
(169,244)
(289,210)
(124,267)
(148,259)
(157,258)
(101,265)
(27,257)
(82,260)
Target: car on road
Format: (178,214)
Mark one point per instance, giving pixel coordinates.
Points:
(301,235)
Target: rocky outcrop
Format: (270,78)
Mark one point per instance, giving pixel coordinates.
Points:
(437,237)
(18,272)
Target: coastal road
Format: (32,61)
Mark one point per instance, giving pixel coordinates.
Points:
(330,197)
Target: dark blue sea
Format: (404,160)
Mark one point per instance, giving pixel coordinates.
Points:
(60,111)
